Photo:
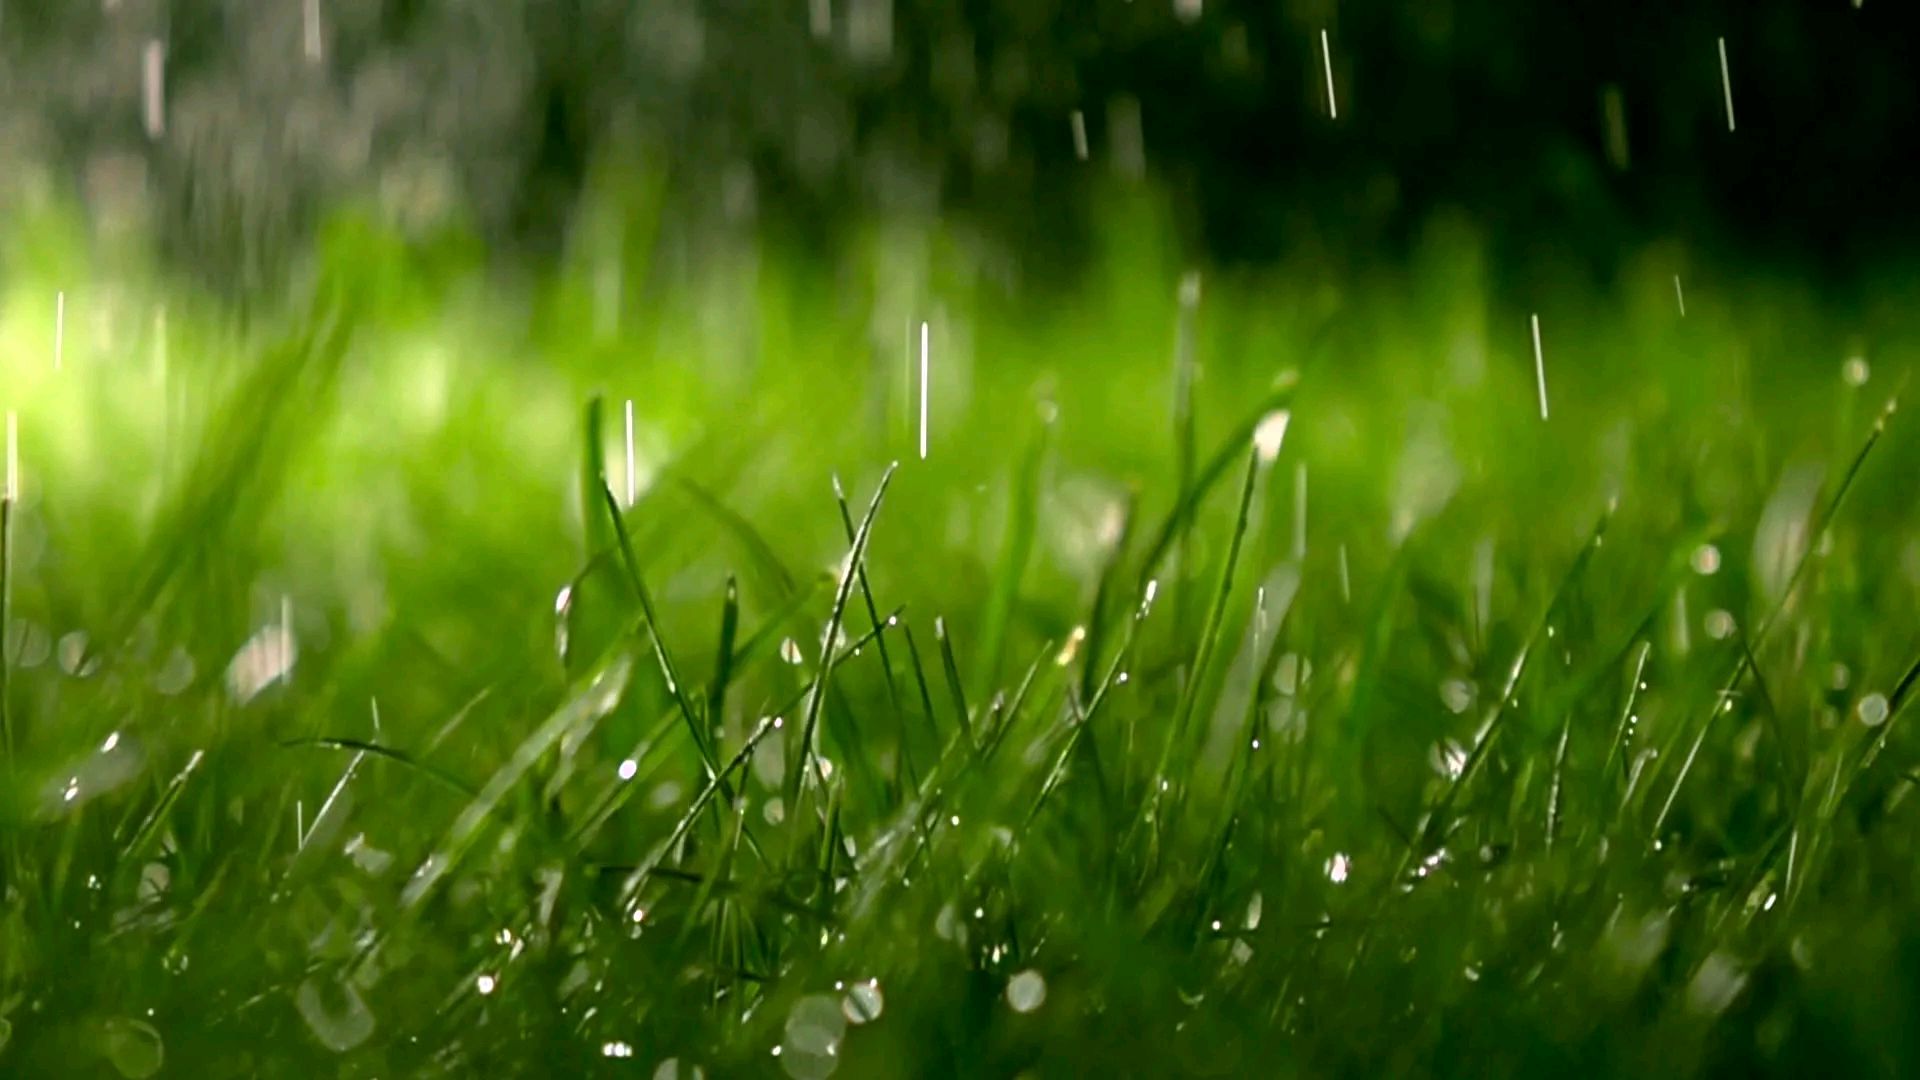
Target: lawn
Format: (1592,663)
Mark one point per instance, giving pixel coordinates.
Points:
(638,669)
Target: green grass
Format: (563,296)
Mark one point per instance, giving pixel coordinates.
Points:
(1071,749)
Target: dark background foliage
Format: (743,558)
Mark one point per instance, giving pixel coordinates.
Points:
(799,114)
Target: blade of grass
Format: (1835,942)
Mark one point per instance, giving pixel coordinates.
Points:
(1816,537)
(1188,503)
(817,700)
(952,669)
(879,638)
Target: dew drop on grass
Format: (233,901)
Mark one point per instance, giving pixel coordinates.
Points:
(1458,694)
(334,1012)
(75,660)
(1706,560)
(790,651)
(1271,434)
(1715,986)
(1338,867)
(133,1047)
(672,1069)
(1839,676)
(1027,991)
(864,1003)
(1855,371)
(1719,624)
(1448,758)
(1873,710)
(176,674)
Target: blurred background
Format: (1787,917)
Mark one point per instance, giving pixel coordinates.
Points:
(1570,132)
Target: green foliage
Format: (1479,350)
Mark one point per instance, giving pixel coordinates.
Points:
(1570,744)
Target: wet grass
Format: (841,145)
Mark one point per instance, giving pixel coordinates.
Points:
(357,722)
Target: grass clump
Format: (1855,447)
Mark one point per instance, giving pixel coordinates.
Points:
(1248,682)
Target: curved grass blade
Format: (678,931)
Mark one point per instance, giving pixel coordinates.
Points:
(1187,505)
(361,747)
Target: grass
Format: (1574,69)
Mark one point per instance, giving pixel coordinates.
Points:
(359,724)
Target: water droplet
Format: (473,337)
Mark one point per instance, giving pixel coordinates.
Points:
(334,1012)
(176,674)
(486,984)
(1448,758)
(623,1050)
(628,768)
(1338,867)
(1839,676)
(266,658)
(1027,991)
(1855,371)
(1719,624)
(1706,560)
(1271,434)
(31,645)
(814,1029)
(99,772)
(1253,912)
(1458,695)
(1719,980)
(75,660)
(774,811)
(133,1046)
(672,1069)
(790,651)
(1873,710)
(864,1003)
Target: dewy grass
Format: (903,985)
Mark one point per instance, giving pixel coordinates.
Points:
(383,739)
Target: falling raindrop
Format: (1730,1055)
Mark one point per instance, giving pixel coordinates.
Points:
(334,1012)
(1027,991)
(1539,367)
(133,1047)
(1726,82)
